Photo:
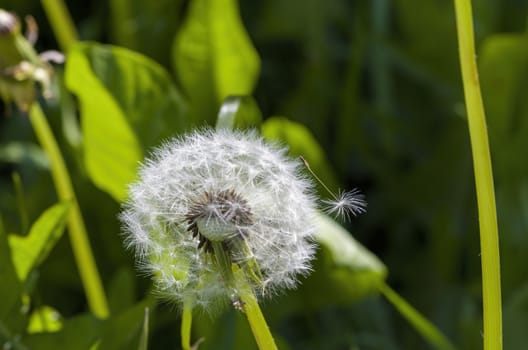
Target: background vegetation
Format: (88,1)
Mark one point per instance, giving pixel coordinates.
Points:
(368,91)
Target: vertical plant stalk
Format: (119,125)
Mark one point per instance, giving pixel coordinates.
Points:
(254,315)
(186,325)
(422,325)
(489,236)
(77,231)
(61,23)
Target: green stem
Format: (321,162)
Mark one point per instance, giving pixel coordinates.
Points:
(489,236)
(254,315)
(76,228)
(186,325)
(61,23)
(428,331)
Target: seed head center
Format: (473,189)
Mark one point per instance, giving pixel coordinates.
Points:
(218,216)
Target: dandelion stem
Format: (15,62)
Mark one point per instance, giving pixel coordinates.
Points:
(76,229)
(254,315)
(186,324)
(489,235)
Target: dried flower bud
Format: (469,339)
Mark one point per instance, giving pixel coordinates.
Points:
(215,199)
(8,22)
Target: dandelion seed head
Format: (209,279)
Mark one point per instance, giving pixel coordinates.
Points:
(219,186)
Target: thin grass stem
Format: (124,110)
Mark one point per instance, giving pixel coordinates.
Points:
(61,23)
(82,251)
(422,325)
(489,235)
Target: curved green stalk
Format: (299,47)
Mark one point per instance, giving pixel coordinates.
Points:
(61,23)
(489,235)
(76,228)
(428,331)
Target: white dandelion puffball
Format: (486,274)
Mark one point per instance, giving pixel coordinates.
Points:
(226,189)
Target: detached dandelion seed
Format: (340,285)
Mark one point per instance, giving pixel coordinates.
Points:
(346,204)
(211,200)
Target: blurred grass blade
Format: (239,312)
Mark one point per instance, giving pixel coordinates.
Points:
(143,340)
(487,212)
(82,250)
(61,22)
(29,251)
(21,202)
(238,112)
(423,326)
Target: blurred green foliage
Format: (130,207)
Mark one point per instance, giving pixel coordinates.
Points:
(368,92)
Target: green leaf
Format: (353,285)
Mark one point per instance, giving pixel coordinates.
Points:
(239,112)
(45,319)
(301,142)
(80,332)
(111,150)
(344,272)
(31,250)
(128,104)
(213,55)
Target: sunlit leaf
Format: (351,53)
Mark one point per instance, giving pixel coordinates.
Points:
(238,112)
(80,332)
(344,272)
(128,104)
(111,150)
(31,250)
(213,55)
(45,319)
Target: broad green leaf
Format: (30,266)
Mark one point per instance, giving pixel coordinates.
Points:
(111,150)
(79,332)
(45,319)
(128,104)
(344,272)
(300,142)
(29,251)
(213,56)
(238,112)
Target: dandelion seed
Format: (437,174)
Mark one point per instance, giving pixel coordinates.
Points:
(346,204)
(212,199)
